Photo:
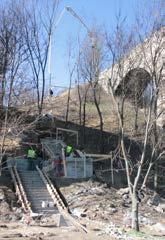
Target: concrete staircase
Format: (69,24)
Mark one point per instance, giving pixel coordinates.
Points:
(37,193)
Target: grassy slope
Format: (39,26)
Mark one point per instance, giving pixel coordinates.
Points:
(57,106)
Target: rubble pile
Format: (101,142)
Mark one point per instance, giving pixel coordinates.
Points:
(91,199)
(9,209)
(113,230)
(157,203)
(95,201)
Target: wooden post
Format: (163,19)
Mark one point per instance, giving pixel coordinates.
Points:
(64,162)
(75,165)
(112,176)
(84,166)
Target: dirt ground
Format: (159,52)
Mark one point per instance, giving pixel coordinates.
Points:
(17,230)
(102,210)
(13,231)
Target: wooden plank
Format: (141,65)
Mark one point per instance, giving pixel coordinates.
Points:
(22,191)
(19,190)
(98,155)
(64,162)
(100,159)
(67,130)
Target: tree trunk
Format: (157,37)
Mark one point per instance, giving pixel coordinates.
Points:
(80,105)
(155,140)
(68,101)
(136,118)
(156,177)
(84,122)
(146,176)
(135,205)
(100,119)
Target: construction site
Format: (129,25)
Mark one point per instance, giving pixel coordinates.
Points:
(83,159)
(76,192)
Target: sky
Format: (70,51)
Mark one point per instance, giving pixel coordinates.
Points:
(101,12)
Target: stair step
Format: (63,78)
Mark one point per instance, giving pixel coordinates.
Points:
(32,199)
(36,192)
(34,185)
(45,211)
(32,179)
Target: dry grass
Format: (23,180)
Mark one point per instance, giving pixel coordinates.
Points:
(58,105)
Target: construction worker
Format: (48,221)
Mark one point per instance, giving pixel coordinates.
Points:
(68,150)
(31,155)
(51,92)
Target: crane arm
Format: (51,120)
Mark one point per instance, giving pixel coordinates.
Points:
(74,14)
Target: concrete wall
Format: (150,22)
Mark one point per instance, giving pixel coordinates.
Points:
(79,167)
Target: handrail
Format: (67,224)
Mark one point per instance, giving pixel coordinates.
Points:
(48,149)
(54,191)
(54,194)
(23,191)
(20,190)
(17,188)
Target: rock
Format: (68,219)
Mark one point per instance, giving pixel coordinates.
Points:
(160,208)
(3,226)
(126,198)
(145,221)
(114,231)
(2,195)
(155,200)
(14,217)
(4,208)
(125,205)
(112,205)
(123,191)
(4,218)
(97,191)
(19,211)
(113,210)
(13,236)
(127,218)
(142,220)
(83,215)
(77,212)
(159,227)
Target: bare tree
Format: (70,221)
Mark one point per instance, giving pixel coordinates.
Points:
(71,70)
(38,28)
(123,61)
(13,56)
(92,61)
(152,52)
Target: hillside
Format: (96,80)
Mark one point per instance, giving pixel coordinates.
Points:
(58,106)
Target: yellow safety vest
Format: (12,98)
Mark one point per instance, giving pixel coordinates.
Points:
(69,149)
(31,153)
